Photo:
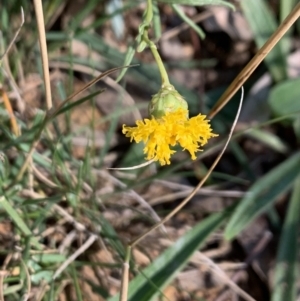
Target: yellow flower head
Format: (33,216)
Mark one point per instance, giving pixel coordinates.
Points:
(169,125)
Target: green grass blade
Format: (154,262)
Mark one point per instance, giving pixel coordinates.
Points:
(76,283)
(13,214)
(287,265)
(128,59)
(263,193)
(156,22)
(263,24)
(286,6)
(269,139)
(18,221)
(163,269)
(189,21)
(198,2)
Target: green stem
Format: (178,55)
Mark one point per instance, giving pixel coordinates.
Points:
(152,46)
(163,73)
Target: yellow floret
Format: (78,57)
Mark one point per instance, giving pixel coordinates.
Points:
(169,130)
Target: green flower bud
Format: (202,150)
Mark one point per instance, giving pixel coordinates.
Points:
(165,101)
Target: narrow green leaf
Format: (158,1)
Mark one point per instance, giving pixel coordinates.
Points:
(287,265)
(18,221)
(198,2)
(284,98)
(41,275)
(47,259)
(154,278)
(269,139)
(156,22)
(286,7)
(263,193)
(76,283)
(263,24)
(189,21)
(13,214)
(13,289)
(128,59)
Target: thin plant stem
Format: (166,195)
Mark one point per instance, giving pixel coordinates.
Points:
(43,45)
(125,275)
(163,73)
(256,60)
(78,252)
(152,46)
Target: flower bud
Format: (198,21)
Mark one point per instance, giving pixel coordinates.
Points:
(167,100)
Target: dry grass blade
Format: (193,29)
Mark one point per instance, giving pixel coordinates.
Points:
(257,59)
(25,164)
(132,193)
(11,114)
(43,45)
(52,114)
(214,268)
(84,247)
(128,100)
(42,40)
(132,167)
(125,276)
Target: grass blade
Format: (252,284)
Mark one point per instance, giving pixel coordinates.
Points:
(286,7)
(189,21)
(128,59)
(156,22)
(262,194)
(19,222)
(198,2)
(269,139)
(287,266)
(263,24)
(13,214)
